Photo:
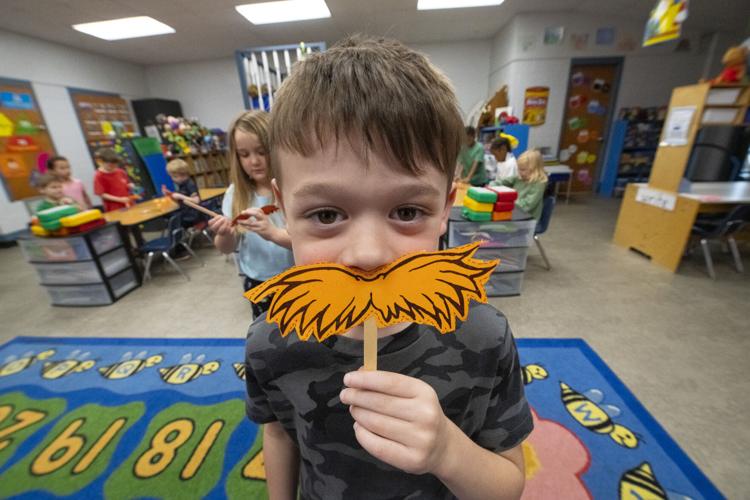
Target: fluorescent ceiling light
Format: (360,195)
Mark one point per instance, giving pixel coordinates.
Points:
(127,27)
(284,11)
(455,4)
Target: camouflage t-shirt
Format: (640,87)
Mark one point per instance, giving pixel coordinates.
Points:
(474,371)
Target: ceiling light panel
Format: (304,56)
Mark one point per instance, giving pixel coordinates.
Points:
(284,12)
(127,27)
(455,4)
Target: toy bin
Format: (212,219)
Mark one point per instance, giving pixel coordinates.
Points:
(511,259)
(504,284)
(93,268)
(494,234)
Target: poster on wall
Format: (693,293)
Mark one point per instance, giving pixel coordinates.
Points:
(665,21)
(106,121)
(535,105)
(554,35)
(24,141)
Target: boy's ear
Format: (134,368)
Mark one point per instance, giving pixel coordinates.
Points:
(447,209)
(277,195)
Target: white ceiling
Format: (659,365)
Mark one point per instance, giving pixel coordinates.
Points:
(209,29)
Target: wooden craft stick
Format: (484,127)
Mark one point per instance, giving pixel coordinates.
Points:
(187,201)
(371,344)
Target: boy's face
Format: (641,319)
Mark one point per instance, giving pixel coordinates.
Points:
(179,177)
(108,166)
(53,190)
(340,209)
(468,140)
(500,153)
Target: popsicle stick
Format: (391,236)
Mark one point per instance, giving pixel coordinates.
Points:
(371,344)
(187,201)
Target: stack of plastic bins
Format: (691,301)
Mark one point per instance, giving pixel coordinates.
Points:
(89,269)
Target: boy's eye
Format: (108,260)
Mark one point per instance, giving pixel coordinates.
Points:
(407,214)
(326,216)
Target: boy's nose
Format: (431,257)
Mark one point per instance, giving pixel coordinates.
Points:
(367,248)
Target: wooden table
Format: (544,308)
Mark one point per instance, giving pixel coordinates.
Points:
(209,193)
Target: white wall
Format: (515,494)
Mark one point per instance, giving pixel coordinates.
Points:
(52,68)
(520,60)
(208,90)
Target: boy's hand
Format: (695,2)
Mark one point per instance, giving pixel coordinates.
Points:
(398,419)
(220,225)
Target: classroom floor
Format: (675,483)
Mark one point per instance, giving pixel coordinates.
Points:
(679,341)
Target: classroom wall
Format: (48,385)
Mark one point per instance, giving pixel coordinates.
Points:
(520,60)
(210,90)
(52,68)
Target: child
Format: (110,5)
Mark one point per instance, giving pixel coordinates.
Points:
(262,243)
(530,182)
(72,187)
(364,175)
(52,189)
(506,162)
(111,183)
(471,159)
(179,171)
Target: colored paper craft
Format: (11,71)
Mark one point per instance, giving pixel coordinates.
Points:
(16,100)
(665,21)
(24,126)
(12,166)
(6,126)
(322,300)
(21,144)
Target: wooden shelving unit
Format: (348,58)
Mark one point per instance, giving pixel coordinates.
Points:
(209,169)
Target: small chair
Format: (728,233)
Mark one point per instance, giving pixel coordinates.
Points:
(723,230)
(200,228)
(542,224)
(174,237)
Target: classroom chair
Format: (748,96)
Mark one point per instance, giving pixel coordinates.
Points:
(200,228)
(541,226)
(722,230)
(169,241)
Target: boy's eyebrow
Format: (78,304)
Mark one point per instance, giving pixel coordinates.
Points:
(323,190)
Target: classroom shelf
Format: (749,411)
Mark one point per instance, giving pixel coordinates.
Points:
(90,269)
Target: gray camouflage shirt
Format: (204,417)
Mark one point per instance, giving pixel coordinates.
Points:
(474,371)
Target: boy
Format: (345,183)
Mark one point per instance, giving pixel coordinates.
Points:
(111,183)
(52,189)
(179,171)
(506,162)
(471,159)
(364,174)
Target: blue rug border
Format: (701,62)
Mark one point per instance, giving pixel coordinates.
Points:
(701,482)
(681,459)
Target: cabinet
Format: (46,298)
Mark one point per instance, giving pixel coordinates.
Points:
(89,269)
(508,241)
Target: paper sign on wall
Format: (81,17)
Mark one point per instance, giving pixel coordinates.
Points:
(656,198)
(665,21)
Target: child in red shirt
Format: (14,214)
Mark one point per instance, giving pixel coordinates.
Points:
(111,183)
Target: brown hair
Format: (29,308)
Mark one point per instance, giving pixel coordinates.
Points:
(51,161)
(533,158)
(178,166)
(254,122)
(45,180)
(376,91)
(108,155)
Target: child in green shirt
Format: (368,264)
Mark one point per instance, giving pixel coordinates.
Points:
(471,159)
(530,183)
(52,189)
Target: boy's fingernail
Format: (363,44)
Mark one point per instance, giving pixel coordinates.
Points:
(347,378)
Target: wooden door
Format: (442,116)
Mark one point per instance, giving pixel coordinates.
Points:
(592,92)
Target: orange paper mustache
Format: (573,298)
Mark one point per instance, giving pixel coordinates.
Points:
(432,288)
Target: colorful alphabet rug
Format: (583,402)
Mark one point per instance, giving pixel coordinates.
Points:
(165,418)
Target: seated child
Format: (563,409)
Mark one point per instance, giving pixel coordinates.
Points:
(72,187)
(179,171)
(111,182)
(52,189)
(506,162)
(446,414)
(471,159)
(530,183)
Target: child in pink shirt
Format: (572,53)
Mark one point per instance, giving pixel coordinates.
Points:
(72,187)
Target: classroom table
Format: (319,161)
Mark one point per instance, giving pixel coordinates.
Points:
(658,223)
(557,173)
(210,193)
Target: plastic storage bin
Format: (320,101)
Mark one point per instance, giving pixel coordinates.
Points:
(504,284)
(68,273)
(494,234)
(55,249)
(114,262)
(511,259)
(123,283)
(106,239)
(83,295)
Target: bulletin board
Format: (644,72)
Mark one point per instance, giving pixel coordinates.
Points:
(25,143)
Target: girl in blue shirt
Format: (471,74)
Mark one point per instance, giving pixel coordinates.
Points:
(261,240)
